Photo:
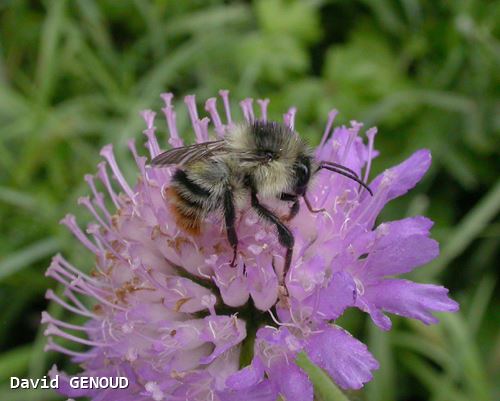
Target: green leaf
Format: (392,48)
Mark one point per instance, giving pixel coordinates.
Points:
(25,257)
(438,384)
(359,82)
(14,362)
(297,19)
(18,199)
(47,61)
(383,386)
(275,58)
(479,303)
(199,22)
(424,346)
(467,356)
(465,232)
(386,14)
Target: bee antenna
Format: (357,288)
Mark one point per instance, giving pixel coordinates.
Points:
(345,172)
(339,166)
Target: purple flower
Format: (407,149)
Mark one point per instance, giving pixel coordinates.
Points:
(171,314)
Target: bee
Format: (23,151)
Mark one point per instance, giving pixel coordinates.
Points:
(253,162)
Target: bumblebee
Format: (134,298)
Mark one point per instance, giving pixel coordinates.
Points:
(255,161)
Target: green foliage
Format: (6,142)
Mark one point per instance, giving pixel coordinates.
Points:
(75,74)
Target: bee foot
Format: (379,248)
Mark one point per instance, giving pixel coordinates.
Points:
(233,262)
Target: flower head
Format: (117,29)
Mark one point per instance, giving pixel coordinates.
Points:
(171,314)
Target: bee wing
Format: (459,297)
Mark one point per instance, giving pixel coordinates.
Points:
(189,154)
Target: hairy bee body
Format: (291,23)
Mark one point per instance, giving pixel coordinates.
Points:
(198,190)
(261,155)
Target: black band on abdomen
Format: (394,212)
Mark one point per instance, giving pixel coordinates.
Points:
(181,177)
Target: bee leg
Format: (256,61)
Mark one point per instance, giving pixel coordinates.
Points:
(310,207)
(230,218)
(285,236)
(295,206)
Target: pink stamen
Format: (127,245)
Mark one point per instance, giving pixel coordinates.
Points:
(247,108)
(69,293)
(149,117)
(57,273)
(82,284)
(289,118)
(53,273)
(141,164)
(103,176)
(140,161)
(93,229)
(70,222)
(372,208)
(65,264)
(203,127)
(50,295)
(98,196)
(107,153)
(56,268)
(85,200)
(353,132)
(371,139)
(152,143)
(99,237)
(209,301)
(47,318)
(174,140)
(224,94)
(211,108)
(52,346)
(263,103)
(53,330)
(329,124)
(190,101)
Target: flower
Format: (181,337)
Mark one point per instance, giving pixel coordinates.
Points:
(171,314)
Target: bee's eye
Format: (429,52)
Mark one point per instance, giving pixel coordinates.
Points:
(304,170)
(302,177)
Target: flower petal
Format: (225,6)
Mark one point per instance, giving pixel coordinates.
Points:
(263,285)
(376,314)
(292,381)
(400,256)
(340,294)
(406,298)
(405,175)
(346,359)
(392,183)
(246,377)
(232,286)
(224,332)
(263,391)
(403,228)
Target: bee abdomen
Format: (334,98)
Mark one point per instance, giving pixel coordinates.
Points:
(181,178)
(187,215)
(188,202)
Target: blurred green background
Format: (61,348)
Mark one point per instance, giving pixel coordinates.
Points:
(75,74)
